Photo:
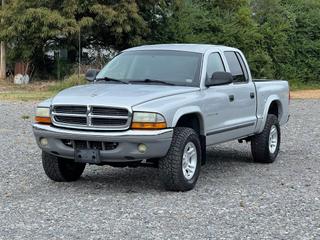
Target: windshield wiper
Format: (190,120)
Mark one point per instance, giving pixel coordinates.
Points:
(151,81)
(111,80)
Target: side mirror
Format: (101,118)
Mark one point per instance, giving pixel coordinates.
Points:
(220,78)
(92,74)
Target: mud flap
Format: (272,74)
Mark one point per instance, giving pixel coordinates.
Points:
(203,149)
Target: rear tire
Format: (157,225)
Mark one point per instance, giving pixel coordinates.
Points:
(61,170)
(180,168)
(265,146)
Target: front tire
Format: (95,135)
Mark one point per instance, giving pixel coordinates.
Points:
(266,145)
(61,170)
(180,168)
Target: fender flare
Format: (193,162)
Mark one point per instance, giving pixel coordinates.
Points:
(194,110)
(189,110)
(262,119)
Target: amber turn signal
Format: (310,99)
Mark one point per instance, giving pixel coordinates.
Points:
(43,120)
(148,126)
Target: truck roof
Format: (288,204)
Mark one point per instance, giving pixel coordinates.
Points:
(197,48)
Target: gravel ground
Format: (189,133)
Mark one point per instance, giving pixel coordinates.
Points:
(234,198)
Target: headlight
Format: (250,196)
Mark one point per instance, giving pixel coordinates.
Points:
(146,120)
(43,115)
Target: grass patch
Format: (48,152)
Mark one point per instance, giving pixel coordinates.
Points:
(26,95)
(73,80)
(298,85)
(37,91)
(25,117)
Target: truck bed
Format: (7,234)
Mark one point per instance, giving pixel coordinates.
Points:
(266,80)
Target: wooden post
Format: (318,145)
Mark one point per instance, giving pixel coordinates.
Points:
(3,62)
(3,56)
(80,53)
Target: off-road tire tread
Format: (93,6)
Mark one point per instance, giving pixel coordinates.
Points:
(260,142)
(56,168)
(170,166)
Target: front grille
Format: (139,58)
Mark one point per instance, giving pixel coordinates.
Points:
(70,109)
(91,117)
(109,111)
(108,122)
(71,120)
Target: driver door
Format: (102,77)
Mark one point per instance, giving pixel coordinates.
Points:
(218,108)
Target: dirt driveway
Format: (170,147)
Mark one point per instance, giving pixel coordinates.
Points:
(306,94)
(235,198)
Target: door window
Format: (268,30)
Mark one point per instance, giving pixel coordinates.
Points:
(215,64)
(243,66)
(235,67)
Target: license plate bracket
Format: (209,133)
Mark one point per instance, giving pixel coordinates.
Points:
(91,156)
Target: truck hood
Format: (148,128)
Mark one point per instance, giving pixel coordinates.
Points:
(119,95)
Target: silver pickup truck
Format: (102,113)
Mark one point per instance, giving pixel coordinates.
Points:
(161,106)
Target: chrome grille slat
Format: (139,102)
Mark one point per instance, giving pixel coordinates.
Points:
(69,115)
(91,117)
(70,109)
(71,120)
(108,116)
(107,122)
(106,111)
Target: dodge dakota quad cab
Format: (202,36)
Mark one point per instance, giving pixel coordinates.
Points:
(161,106)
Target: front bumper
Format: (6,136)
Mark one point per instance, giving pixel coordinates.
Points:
(158,142)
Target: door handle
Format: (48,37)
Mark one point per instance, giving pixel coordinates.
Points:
(252,95)
(231,98)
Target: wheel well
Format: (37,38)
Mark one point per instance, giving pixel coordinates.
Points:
(274,109)
(194,121)
(191,120)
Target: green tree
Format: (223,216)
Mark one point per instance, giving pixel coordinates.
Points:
(33,27)
(28,27)
(304,40)
(279,37)
(275,24)
(217,22)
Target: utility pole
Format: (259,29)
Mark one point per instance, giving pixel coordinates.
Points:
(80,53)
(3,55)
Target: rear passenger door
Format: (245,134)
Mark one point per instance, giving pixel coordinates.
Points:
(230,109)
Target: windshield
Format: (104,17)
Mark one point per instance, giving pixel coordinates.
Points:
(154,67)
